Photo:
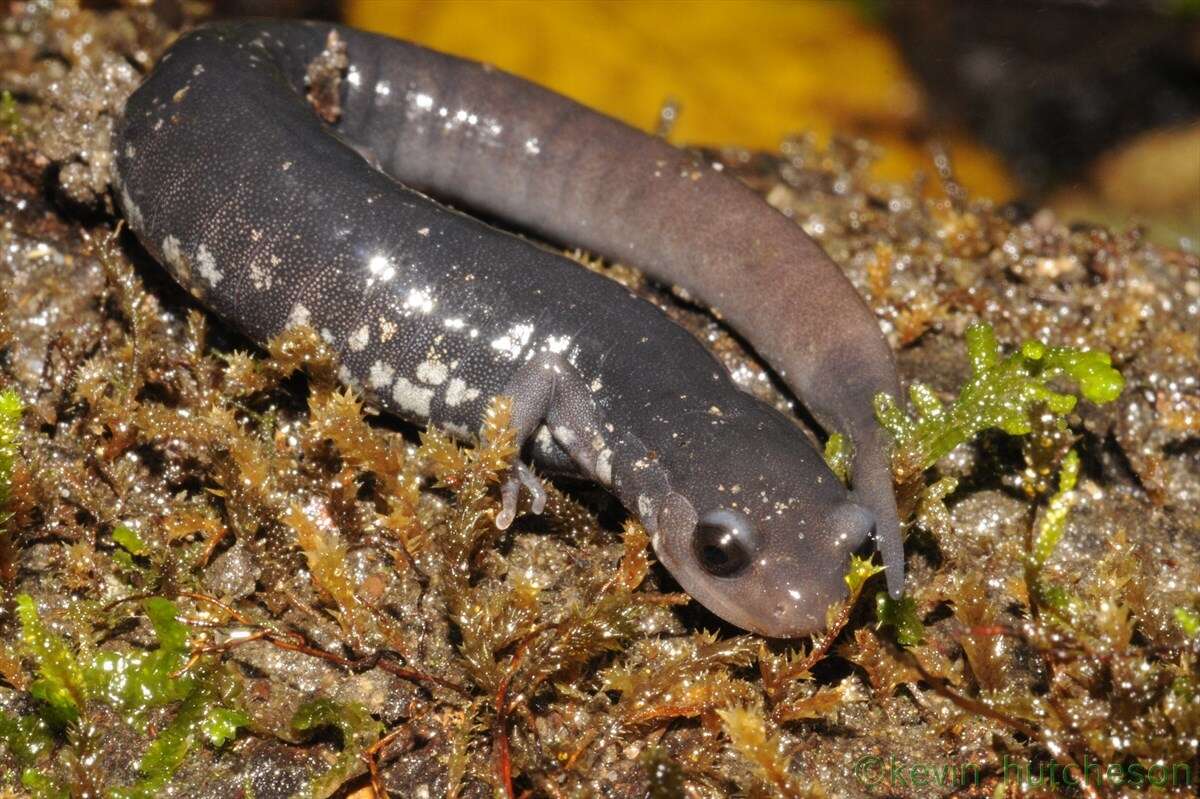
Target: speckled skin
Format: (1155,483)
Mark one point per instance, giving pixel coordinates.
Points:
(271,218)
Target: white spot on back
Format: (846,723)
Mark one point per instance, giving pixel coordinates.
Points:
(359,339)
(380,376)
(604,467)
(299,316)
(458,392)
(171,252)
(412,398)
(132,212)
(432,372)
(387,329)
(514,341)
(645,507)
(381,269)
(565,435)
(419,300)
(208,266)
(346,377)
(457,430)
(261,278)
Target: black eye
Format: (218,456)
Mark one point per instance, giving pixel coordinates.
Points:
(724,542)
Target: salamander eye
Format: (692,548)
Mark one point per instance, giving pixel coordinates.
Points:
(724,542)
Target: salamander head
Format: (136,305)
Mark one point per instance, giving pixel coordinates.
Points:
(763,536)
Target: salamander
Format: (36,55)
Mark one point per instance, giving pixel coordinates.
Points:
(272,216)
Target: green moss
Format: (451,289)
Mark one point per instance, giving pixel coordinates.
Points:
(60,684)
(1047,535)
(131,682)
(1001,393)
(138,561)
(11,409)
(28,738)
(861,570)
(1054,522)
(901,615)
(204,715)
(10,115)
(1189,621)
(838,455)
(357,728)
(128,538)
(134,682)
(43,786)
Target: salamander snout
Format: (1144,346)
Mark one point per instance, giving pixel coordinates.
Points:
(762,534)
(766,573)
(812,579)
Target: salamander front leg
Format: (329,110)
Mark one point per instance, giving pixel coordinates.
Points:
(548,389)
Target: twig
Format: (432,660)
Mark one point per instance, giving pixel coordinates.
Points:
(500,730)
(370,757)
(295,642)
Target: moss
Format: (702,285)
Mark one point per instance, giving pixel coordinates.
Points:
(10,115)
(1000,393)
(75,684)
(358,732)
(1053,525)
(1188,621)
(839,456)
(128,539)
(203,715)
(764,753)
(11,409)
(901,615)
(60,683)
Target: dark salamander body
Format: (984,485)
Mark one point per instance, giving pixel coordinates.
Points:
(273,218)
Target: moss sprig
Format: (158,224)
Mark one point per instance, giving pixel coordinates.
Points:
(762,750)
(839,455)
(1001,393)
(10,116)
(11,410)
(357,729)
